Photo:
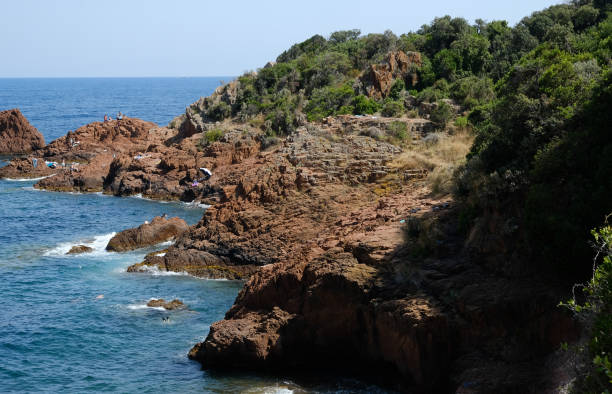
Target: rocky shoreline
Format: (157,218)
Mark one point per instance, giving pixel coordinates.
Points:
(349,259)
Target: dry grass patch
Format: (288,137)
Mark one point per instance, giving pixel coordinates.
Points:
(440,154)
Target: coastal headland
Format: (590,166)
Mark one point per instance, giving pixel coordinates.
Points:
(320,226)
(348,241)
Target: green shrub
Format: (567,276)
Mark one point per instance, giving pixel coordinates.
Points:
(364,105)
(219,111)
(461,122)
(392,109)
(282,121)
(439,90)
(412,114)
(442,114)
(399,130)
(346,110)
(328,100)
(472,91)
(211,136)
(396,89)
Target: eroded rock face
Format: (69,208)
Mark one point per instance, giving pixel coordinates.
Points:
(168,305)
(379,78)
(314,313)
(78,249)
(171,170)
(338,283)
(159,230)
(274,205)
(364,303)
(17,135)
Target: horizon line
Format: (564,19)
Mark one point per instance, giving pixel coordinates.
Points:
(108,77)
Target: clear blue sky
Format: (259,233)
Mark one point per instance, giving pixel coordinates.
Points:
(80,38)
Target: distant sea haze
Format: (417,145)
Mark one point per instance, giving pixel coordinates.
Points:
(56,105)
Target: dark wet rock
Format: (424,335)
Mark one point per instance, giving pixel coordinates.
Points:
(168,305)
(78,249)
(159,230)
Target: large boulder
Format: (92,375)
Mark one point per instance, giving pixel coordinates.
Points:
(17,135)
(379,78)
(159,230)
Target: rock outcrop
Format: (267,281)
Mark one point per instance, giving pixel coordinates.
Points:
(366,303)
(81,159)
(159,230)
(274,205)
(17,135)
(379,78)
(78,249)
(168,305)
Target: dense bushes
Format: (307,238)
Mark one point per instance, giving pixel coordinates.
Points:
(364,106)
(392,108)
(320,76)
(544,144)
(442,114)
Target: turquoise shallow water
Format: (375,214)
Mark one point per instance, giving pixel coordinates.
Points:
(56,334)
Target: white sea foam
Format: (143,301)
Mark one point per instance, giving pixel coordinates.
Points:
(157,272)
(27,179)
(277,389)
(139,196)
(194,204)
(97,243)
(144,305)
(137,307)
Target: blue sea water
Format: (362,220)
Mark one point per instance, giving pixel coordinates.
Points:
(56,105)
(80,323)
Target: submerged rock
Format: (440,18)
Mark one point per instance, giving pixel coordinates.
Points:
(78,249)
(159,230)
(168,305)
(17,135)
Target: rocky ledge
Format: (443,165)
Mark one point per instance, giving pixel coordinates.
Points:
(17,135)
(167,305)
(362,299)
(160,229)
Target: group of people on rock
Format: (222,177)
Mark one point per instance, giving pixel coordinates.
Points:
(108,118)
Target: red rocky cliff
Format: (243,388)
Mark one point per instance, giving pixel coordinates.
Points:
(17,135)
